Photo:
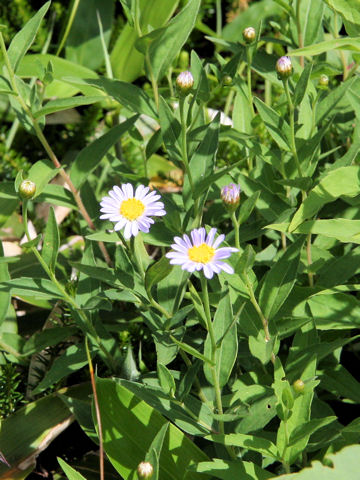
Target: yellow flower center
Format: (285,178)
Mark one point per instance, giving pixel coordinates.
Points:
(201,254)
(132,208)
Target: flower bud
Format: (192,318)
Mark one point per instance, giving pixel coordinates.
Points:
(27,189)
(185,82)
(323,81)
(249,34)
(145,470)
(299,386)
(230,195)
(227,80)
(284,67)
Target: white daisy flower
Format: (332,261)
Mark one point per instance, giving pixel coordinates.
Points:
(131,211)
(201,253)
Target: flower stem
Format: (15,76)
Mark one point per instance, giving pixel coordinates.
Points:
(309,260)
(236,225)
(300,34)
(97,410)
(248,71)
(292,128)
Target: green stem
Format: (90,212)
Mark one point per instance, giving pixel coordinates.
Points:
(309,260)
(210,329)
(300,34)
(68,26)
(292,126)
(262,317)
(97,410)
(184,154)
(218,18)
(236,225)
(248,71)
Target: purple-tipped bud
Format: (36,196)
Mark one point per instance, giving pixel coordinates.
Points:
(284,67)
(323,81)
(230,195)
(185,82)
(145,470)
(27,189)
(249,34)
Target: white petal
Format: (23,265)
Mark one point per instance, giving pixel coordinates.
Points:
(219,239)
(127,230)
(208,271)
(210,237)
(134,228)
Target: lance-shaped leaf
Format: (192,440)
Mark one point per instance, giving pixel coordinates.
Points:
(227,343)
(129,427)
(165,48)
(51,243)
(24,39)
(280,280)
(344,181)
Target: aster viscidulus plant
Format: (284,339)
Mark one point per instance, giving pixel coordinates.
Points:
(131,211)
(201,252)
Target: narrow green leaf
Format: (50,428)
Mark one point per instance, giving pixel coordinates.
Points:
(348,43)
(251,442)
(69,362)
(191,350)
(170,130)
(342,181)
(276,124)
(308,428)
(90,157)
(129,428)
(25,37)
(83,45)
(127,94)
(70,472)
(225,333)
(302,84)
(35,287)
(61,104)
(280,280)
(229,470)
(166,380)
(157,272)
(165,48)
(46,338)
(41,172)
(51,242)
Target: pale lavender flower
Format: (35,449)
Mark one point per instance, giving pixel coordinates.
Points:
(185,81)
(201,252)
(230,195)
(131,211)
(284,67)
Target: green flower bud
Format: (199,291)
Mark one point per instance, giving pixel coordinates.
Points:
(185,82)
(299,386)
(323,81)
(145,470)
(227,80)
(249,34)
(284,67)
(27,189)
